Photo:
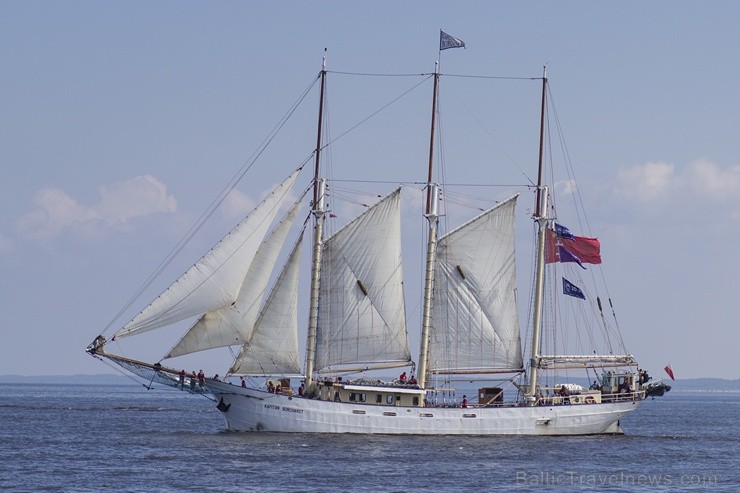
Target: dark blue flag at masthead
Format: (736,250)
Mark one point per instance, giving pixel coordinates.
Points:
(446,41)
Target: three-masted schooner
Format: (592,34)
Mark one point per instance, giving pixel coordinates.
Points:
(357,322)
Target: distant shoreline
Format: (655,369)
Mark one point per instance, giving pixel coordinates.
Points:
(688,384)
(99,379)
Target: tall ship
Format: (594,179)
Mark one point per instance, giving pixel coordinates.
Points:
(245,295)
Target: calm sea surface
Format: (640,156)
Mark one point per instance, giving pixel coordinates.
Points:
(126,438)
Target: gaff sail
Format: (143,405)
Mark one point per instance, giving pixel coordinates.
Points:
(475,325)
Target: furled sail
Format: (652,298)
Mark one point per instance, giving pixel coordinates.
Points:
(475,326)
(362,319)
(215,280)
(552,361)
(232,324)
(272,348)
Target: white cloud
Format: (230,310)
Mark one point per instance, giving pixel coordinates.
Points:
(566,187)
(709,180)
(701,181)
(56,211)
(647,182)
(237,204)
(137,197)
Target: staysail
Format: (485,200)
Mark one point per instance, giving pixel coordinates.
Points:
(475,325)
(233,324)
(362,318)
(272,348)
(215,280)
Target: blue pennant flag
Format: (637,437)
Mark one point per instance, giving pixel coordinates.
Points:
(446,41)
(572,290)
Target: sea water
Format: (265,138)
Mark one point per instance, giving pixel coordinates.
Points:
(127,438)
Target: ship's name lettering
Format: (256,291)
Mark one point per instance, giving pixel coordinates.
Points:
(283,408)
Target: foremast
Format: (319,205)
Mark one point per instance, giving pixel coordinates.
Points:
(433,220)
(318,211)
(540,217)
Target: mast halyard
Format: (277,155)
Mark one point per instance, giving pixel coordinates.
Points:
(319,189)
(540,216)
(433,219)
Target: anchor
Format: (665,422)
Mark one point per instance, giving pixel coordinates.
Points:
(222,406)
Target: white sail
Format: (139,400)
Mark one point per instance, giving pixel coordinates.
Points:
(361,307)
(215,280)
(475,326)
(272,348)
(233,324)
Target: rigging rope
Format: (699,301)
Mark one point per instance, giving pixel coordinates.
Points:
(580,209)
(379,110)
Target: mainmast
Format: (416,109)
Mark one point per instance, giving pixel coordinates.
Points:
(319,189)
(433,219)
(540,216)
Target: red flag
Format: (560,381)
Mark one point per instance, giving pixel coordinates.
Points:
(669,371)
(588,250)
(582,249)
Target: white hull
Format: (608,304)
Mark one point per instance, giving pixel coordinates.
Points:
(254,410)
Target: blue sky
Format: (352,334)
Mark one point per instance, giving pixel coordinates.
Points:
(121,121)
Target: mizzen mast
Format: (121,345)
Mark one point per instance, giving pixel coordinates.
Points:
(318,211)
(540,216)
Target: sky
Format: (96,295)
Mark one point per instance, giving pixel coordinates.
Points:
(122,121)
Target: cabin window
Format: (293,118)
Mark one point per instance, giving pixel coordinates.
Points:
(398,398)
(363,397)
(389,399)
(379,398)
(352,397)
(416,400)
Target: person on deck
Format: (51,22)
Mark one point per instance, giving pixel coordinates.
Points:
(403,377)
(624,387)
(181,381)
(193,378)
(244,383)
(465,401)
